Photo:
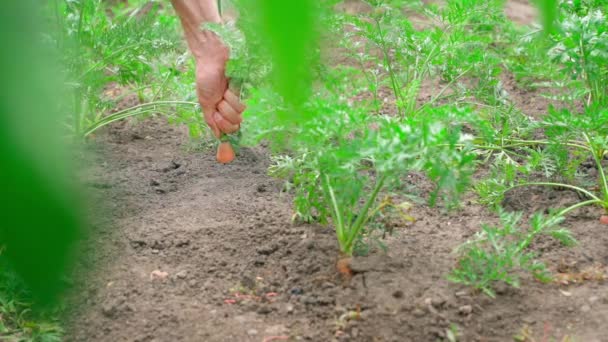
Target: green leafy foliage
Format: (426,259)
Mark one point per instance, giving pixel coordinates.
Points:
(571,141)
(501,253)
(107,48)
(581,46)
(338,164)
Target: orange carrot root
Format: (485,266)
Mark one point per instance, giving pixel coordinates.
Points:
(225,152)
(343,266)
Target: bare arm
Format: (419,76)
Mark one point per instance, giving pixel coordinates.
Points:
(193,14)
(221,108)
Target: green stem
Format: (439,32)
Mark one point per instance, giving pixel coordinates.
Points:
(520,143)
(578,205)
(353,232)
(436,97)
(600,169)
(388,64)
(132,111)
(339,224)
(558,185)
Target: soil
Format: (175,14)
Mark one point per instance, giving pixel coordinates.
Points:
(187,249)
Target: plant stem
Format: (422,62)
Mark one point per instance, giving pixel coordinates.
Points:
(339,224)
(600,170)
(353,232)
(578,205)
(436,97)
(126,113)
(388,64)
(521,143)
(560,185)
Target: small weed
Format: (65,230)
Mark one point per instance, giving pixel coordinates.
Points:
(501,253)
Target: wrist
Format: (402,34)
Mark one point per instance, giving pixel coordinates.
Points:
(210,48)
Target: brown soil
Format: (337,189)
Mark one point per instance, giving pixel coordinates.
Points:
(190,250)
(218,230)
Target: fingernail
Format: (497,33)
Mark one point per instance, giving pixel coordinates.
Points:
(217,117)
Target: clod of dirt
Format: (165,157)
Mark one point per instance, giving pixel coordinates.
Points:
(174,165)
(261,188)
(268,249)
(109,310)
(264,310)
(398,294)
(417,312)
(465,310)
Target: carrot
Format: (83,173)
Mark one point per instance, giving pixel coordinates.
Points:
(225,152)
(604,219)
(343,266)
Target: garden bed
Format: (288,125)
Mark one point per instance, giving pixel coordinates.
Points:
(239,270)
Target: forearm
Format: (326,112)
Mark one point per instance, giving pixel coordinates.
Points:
(194,13)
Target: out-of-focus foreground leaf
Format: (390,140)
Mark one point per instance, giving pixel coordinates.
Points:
(289,29)
(40,218)
(548,11)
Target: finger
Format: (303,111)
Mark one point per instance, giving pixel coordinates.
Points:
(229,113)
(208,115)
(224,125)
(234,101)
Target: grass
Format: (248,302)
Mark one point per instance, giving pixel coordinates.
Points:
(19,320)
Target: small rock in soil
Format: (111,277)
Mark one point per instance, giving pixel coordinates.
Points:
(328,285)
(418,312)
(438,302)
(289,308)
(309,300)
(276,330)
(267,250)
(501,288)
(296,291)
(465,310)
(528,320)
(182,274)
(252,332)
(264,310)
(109,310)
(462,294)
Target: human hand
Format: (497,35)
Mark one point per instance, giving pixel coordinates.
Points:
(221,107)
